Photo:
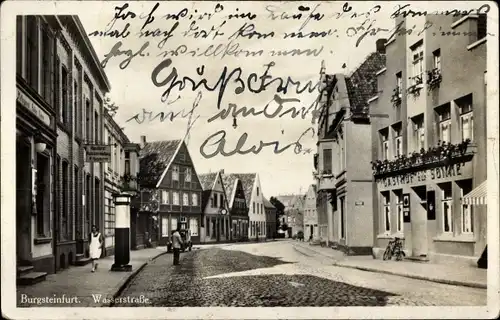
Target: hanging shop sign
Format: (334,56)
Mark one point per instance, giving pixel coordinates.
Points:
(97,153)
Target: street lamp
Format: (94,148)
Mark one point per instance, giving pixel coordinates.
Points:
(222,213)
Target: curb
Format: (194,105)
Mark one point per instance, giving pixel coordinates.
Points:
(406,275)
(418,277)
(124,282)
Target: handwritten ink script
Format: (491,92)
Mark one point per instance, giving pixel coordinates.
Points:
(242,61)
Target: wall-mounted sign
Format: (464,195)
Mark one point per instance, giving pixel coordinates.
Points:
(98,153)
(359,203)
(406,208)
(431,205)
(33,108)
(424,175)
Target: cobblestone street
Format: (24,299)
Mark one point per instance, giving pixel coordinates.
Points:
(274,274)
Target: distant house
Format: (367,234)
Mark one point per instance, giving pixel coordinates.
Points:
(170,188)
(238,208)
(271,212)
(255,203)
(311,214)
(215,221)
(294,212)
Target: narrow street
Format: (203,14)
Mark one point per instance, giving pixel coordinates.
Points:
(275,274)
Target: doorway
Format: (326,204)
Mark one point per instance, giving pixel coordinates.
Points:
(23,202)
(311,232)
(419,216)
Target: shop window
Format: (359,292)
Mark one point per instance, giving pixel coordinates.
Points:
(467,217)
(175,173)
(175,198)
(193,226)
(398,140)
(384,138)
(418,132)
(188,175)
(173,224)
(399,210)
(386,198)
(185,199)
(165,197)
(444,120)
(446,207)
(194,199)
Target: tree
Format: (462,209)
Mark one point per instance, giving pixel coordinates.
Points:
(280,207)
(110,106)
(151,168)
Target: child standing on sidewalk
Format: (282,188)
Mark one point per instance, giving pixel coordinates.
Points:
(96,242)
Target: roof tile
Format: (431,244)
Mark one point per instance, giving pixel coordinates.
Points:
(154,159)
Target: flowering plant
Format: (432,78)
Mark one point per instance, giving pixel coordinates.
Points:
(396,97)
(433,78)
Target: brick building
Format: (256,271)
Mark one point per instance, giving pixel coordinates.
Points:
(344,179)
(61,87)
(431,150)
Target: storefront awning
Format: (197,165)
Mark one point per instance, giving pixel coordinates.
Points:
(477,196)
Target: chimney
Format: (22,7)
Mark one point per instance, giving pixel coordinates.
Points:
(143,141)
(380,44)
(222,171)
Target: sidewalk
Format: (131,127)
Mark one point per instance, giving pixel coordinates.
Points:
(440,273)
(78,283)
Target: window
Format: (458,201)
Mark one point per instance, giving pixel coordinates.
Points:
(399,209)
(65,199)
(445,124)
(466,118)
(165,197)
(398,140)
(88,131)
(384,136)
(258,207)
(221,201)
(467,219)
(127,163)
(399,84)
(96,127)
(194,199)
(64,96)
(175,198)
(418,132)
(32,52)
(175,173)
(188,175)
(164,226)
(418,63)
(19,44)
(387,212)
(215,197)
(76,115)
(257,190)
(327,161)
(261,208)
(253,204)
(174,224)
(342,214)
(437,60)
(185,199)
(446,207)
(193,226)
(46,66)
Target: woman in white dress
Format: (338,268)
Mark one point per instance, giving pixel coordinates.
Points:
(96,242)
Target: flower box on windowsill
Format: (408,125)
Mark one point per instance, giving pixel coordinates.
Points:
(414,89)
(443,154)
(396,97)
(433,79)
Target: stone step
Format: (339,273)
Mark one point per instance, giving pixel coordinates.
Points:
(31,278)
(22,270)
(418,258)
(82,261)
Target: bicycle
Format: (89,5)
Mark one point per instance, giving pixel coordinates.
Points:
(394,248)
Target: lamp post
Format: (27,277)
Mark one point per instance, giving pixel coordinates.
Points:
(122,233)
(222,213)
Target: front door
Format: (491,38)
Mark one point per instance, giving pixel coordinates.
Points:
(420,210)
(23,202)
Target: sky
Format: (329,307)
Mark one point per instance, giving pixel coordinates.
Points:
(134,92)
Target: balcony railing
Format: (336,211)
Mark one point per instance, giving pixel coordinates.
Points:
(444,153)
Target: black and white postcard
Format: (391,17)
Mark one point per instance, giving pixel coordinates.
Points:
(249,159)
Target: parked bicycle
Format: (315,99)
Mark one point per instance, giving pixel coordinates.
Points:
(394,248)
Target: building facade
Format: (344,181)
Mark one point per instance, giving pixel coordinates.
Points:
(431,150)
(255,203)
(120,175)
(170,191)
(237,204)
(344,156)
(271,212)
(61,86)
(216,225)
(311,229)
(293,213)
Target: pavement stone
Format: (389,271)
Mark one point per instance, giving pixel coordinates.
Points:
(78,287)
(439,273)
